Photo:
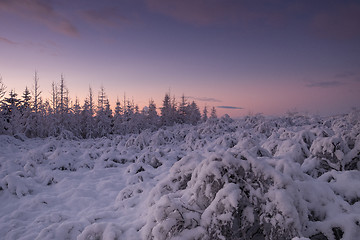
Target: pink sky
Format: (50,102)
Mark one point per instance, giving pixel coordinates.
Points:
(242,57)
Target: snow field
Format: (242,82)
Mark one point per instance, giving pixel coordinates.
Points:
(255,178)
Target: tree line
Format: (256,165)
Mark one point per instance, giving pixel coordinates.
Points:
(33,116)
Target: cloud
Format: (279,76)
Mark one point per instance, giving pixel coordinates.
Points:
(205,99)
(200,12)
(46,47)
(340,22)
(345,75)
(41,11)
(110,17)
(230,107)
(7,41)
(206,12)
(325,84)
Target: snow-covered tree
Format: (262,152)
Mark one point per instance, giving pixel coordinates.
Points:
(152,117)
(205,114)
(26,98)
(101,99)
(103,118)
(25,109)
(11,108)
(183,110)
(213,113)
(195,115)
(168,111)
(117,120)
(75,123)
(91,102)
(2,89)
(36,92)
(44,121)
(63,104)
(87,117)
(2,116)
(54,97)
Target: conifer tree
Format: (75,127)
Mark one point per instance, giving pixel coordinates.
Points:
(26,98)
(2,116)
(101,99)
(213,113)
(63,109)
(2,89)
(86,128)
(75,125)
(103,118)
(62,97)
(36,92)
(205,114)
(87,117)
(117,121)
(183,110)
(195,115)
(44,123)
(12,113)
(25,109)
(166,111)
(54,97)
(91,102)
(152,115)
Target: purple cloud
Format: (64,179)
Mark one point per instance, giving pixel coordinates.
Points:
(345,75)
(7,41)
(230,107)
(41,11)
(205,99)
(110,17)
(205,12)
(325,84)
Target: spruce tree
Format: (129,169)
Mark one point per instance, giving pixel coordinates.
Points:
(152,115)
(2,89)
(166,111)
(213,113)
(2,115)
(11,106)
(195,115)
(26,98)
(117,121)
(205,114)
(36,92)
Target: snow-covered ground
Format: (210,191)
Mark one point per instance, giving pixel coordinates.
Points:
(254,178)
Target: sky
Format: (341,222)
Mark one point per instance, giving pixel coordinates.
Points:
(242,57)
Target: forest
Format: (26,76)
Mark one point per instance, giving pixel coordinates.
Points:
(33,116)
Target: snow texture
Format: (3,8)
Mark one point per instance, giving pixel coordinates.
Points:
(256,178)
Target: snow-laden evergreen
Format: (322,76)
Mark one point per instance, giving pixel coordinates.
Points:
(294,177)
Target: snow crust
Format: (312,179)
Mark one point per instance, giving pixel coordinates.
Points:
(256,178)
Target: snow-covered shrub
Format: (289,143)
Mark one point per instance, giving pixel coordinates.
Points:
(17,183)
(162,137)
(352,158)
(141,140)
(227,198)
(104,231)
(330,151)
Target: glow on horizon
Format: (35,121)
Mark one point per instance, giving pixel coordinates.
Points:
(263,61)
